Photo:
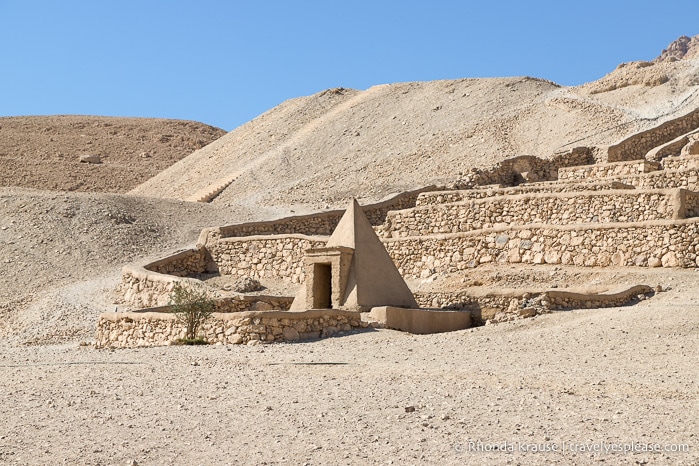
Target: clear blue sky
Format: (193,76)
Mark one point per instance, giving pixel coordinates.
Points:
(225,62)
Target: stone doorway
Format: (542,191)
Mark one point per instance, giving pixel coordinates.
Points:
(322,286)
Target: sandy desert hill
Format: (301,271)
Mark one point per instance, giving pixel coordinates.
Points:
(613,376)
(43,152)
(317,151)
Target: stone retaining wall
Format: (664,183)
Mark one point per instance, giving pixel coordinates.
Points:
(259,257)
(245,303)
(637,146)
(558,209)
(650,244)
(560,300)
(606,170)
(526,303)
(681,163)
(321,223)
(262,257)
(672,148)
(141,288)
(180,264)
(134,329)
(447,197)
(665,179)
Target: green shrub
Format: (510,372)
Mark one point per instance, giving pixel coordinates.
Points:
(192,306)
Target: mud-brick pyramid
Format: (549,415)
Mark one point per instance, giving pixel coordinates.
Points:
(353,271)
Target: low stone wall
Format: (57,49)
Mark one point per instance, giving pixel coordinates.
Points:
(557,209)
(669,149)
(447,197)
(141,288)
(637,146)
(652,244)
(681,163)
(606,170)
(237,303)
(665,179)
(517,304)
(181,264)
(481,307)
(321,223)
(262,257)
(133,329)
(245,303)
(560,300)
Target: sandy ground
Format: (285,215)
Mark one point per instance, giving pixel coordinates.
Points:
(581,378)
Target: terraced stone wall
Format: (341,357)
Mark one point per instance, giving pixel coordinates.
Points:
(322,223)
(681,163)
(562,208)
(665,179)
(606,170)
(446,197)
(653,244)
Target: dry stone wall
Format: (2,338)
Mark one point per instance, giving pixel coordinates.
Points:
(681,163)
(637,146)
(245,303)
(132,329)
(262,257)
(141,288)
(562,208)
(560,300)
(523,304)
(672,148)
(606,170)
(651,244)
(665,179)
(322,223)
(447,197)
(182,264)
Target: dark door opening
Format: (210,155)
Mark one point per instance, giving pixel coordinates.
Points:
(322,286)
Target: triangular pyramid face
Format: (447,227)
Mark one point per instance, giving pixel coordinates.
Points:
(373,279)
(345,231)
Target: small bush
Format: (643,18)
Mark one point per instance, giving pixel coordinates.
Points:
(192,306)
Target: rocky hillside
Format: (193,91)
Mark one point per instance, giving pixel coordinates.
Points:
(43,152)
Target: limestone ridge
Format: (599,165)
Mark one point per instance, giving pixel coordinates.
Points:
(372,278)
(683,48)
